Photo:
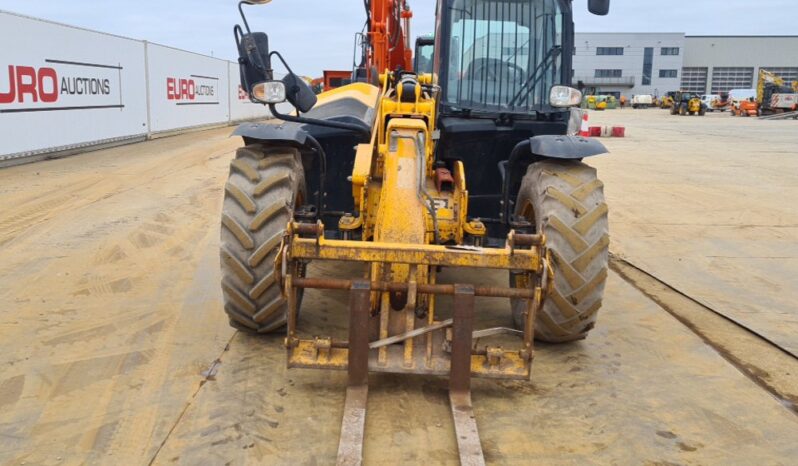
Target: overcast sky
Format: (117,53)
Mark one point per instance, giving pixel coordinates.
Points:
(319,34)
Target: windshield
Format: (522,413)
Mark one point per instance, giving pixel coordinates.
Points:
(504,55)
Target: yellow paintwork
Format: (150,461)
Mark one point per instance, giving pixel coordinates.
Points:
(428,254)
(361,172)
(399,214)
(365,93)
(694,105)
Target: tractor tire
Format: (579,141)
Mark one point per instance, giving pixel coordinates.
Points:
(674,110)
(702,112)
(565,201)
(264,187)
(682,110)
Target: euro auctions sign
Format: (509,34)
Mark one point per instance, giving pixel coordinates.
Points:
(59,85)
(193,90)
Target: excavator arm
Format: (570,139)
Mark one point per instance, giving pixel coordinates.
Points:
(388,37)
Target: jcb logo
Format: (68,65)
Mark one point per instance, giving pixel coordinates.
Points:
(26,83)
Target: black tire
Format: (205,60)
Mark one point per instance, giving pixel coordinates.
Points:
(264,187)
(702,112)
(674,110)
(565,201)
(682,110)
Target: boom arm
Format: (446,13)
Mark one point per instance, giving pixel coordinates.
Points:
(389,36)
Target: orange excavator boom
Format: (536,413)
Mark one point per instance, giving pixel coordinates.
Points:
(388,36)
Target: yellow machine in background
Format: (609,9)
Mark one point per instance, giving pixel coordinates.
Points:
(774,94)
(688,103)
(667,101)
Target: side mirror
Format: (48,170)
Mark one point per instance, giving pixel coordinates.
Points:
(599,7)
(299,93)
(253,59)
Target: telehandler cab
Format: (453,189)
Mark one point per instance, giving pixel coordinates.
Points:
(474,164)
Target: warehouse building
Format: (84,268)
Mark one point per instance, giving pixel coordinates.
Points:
(656,63)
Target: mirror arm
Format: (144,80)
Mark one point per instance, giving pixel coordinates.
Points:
(238,34)
(243,16)
(326,123)
(275,52)
(313,121)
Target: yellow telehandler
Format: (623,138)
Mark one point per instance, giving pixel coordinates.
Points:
(474,165)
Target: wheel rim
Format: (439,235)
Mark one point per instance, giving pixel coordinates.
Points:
(528,213)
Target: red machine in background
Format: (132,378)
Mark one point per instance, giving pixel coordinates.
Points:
(334,79)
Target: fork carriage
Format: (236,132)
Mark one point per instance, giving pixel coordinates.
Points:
(410,339)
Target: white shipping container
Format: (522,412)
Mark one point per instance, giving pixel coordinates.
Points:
(63,87)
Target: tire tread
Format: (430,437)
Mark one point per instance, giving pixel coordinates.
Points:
(569,205)
(260,193)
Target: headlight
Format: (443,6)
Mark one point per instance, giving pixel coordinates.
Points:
(564,96)
(270,92)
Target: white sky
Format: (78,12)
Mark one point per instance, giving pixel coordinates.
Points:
(314,35)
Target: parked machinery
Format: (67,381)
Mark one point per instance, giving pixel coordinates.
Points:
(474,165)
(721,102)
(746,107)
(774,95)
(688,103)
(667,100)
(642,101)
(743,102)
(708,99)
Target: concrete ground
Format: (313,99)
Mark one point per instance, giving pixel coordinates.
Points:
(710,206)
(110,312)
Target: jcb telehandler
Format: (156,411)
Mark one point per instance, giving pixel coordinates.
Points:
(472,165)
(688,103)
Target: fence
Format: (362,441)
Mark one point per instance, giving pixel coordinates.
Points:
(65,88)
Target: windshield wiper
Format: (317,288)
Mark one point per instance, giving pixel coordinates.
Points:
(531,82)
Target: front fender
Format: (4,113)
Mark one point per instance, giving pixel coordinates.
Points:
(565,147)
(290,133)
